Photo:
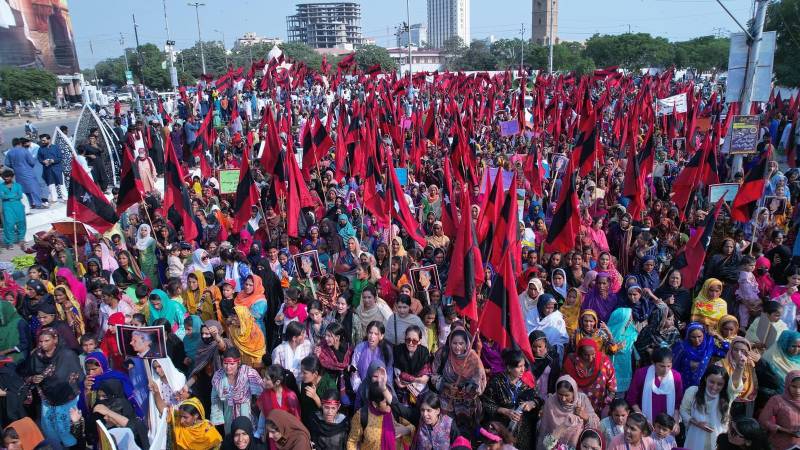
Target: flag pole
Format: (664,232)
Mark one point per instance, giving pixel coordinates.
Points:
(75,241)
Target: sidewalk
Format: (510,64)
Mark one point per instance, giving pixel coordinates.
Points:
(47,114)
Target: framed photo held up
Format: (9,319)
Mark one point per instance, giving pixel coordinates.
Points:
(142,342)
(425,278)
(307,265)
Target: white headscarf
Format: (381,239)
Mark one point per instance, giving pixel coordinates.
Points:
(143,243)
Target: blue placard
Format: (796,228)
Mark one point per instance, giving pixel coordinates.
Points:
(402,175)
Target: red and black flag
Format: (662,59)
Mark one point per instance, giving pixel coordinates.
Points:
(431,129)
(298,195)
(466,265)
(86,202)
(501,319)
(272,156)
(130,183)
(246,193)
(686,181)
(487,223)
(534,171)
(506,229)
(374,200)
(176,195)
(566,220)
(204,143)
(689,260)
(750,191)
(449,212)
(638,167)
(587,149)
(321,144)
(396,197)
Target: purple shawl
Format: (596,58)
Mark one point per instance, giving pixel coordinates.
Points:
(602,306)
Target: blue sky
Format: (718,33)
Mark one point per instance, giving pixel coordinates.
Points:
(101,21)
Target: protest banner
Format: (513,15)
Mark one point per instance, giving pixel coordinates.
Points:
(744,134)
(228,180)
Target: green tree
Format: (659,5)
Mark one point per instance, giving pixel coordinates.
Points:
(569,56)
(478,56)
(189,60)
(784,18)
(629,50)
(111,71)
(453,48)
(27,84)
(298,51)
(703,53)
(369,55)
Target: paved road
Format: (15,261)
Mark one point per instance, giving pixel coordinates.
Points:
(44,126)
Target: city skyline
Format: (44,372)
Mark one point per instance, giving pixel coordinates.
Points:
(676,20)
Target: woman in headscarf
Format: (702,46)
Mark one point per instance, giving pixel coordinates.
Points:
(287,432)
(590,327)
(675,296)
(234,387)
(163,307)
(601,300)
(693,354)
(94,270)
(546,364)
(724,267)
(345,228)
(48,318)
(744,403)
(764,331)
(69,311)
(192,430)
(23,434)
(349,258)
(757,227)
(56,372)
(640,305)
(593,371)
(169,381)
(241,436)
(558,285)
(782,414)
(566,413)
(459,376)
(146,245)
(551,322)
(127,276)
(412,367)
(97,371)
(14,333)
(727,329)
(246,336)
(118,414)
(77,288)
(709,306)
(193,294)
(780,359)
(660,332)
(252,298)
(622,327)
(571,310)
(36,296)
(208,359)
(511,398)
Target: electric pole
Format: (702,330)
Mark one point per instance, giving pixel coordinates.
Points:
(550,36)
(522,47)
(754,41)
(408,30)
(138,52)
(170,50)
(197,6)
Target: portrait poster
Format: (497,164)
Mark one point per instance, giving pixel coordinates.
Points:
(425,278)
(679,145)
(559,164)
(144,342)
(775,205)
(307,265)
(509,128)
(716,191)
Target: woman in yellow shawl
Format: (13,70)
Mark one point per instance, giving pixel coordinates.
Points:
(590,327)
(69,311)
(571,309)
(745,402)
(709,306)
(195,286)
(247,336)
(727,329)
(192,430)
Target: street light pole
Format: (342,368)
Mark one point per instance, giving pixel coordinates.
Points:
(173,74)
(753,55)
(550,38)
(197,6)
(408,30)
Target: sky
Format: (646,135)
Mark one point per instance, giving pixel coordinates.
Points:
(97,24)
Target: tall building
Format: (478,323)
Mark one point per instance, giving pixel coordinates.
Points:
(251,38)
(326,25)
(544,11)
(419,35)
(447,18)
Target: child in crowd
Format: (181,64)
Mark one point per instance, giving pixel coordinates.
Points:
(662,432)
(109,345)
(614,424)
(175,266)
(748,294)
(88,345)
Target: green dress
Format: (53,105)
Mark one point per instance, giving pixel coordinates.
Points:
(14,226)
(147,263)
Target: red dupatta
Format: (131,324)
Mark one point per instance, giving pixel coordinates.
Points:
(576,368)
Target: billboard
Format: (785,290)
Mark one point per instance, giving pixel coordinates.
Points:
(37,34)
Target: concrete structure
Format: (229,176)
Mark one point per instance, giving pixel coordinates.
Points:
(419,35)
(251,38)
(326,25)
(422,60)
(447,18)
(543,12)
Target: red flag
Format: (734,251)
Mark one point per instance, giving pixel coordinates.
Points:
(501,319)
(449,215)
(86,203)
(534,171)
(686,181)
(487,222)
(750,191)
(466,267)
(566,220)
(246,194)
(176,195)
(431,128)
(298,195)
(130,183)
(689,260)
(587,148)
(402,213)
(374,201)
(506,229)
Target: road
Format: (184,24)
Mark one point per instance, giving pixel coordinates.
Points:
(44,126)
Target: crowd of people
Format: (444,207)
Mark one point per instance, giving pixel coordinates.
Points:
(329,328)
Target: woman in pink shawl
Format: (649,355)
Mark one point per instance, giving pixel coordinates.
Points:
(64,275)
(106,257)
(763,278)
(588,282)
(605,263)
(566,413)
